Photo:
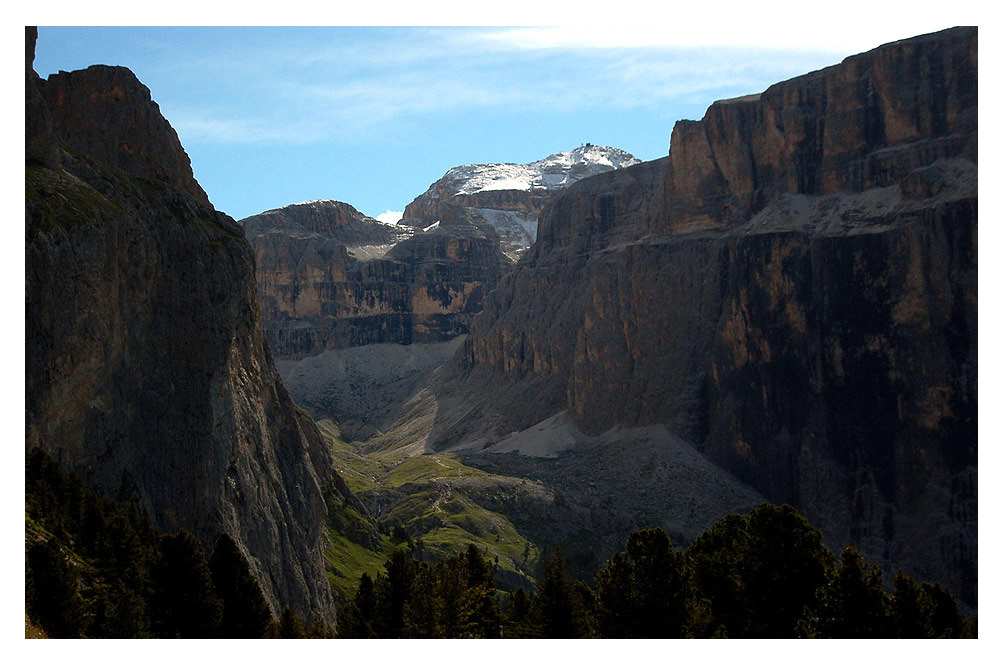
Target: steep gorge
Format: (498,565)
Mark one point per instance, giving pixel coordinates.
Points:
(146,369)
(793,291)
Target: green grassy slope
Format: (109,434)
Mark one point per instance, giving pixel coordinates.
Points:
(429,504)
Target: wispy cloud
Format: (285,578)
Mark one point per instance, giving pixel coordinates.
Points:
(359,84)
(745,25)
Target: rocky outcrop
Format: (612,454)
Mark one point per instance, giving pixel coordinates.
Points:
(106,113)
(793,291)
(508,198)
(330,278)
(146,371)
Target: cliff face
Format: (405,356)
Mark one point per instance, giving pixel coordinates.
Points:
(793,290)
(507,198)
(146,370)
(330,278)
(101,112)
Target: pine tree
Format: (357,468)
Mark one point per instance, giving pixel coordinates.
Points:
(392,592)
(853,604)
(245,613)
(184,602)
(120,613)
(55,600)
(783,568)
(561,610)
(519,616)
(946,620)
(484,620)
(616,599)
(909,609)
(715,559)
(645,592)
(358,618)
(290,626)
(317,629)
(660,585)
(423,609)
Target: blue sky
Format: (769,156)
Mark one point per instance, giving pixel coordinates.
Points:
(372,116)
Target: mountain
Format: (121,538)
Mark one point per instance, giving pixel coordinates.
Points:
(509,197)
(792,292)
(146,370)
(329,277)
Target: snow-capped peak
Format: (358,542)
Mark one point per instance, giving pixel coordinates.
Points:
(556,171)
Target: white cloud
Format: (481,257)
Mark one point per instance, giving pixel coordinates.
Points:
(341,88)
(390,216)
(858,25)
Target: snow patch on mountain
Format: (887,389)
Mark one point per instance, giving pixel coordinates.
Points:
(556,171)
(517,228)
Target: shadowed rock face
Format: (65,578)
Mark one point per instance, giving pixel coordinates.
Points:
(793,290)
(106,113)
(146,370)
(330,278)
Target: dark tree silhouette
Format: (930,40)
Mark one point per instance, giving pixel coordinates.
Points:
(392,591)
(290,626)
(615,599)
(560,602)
(245,613)
(55,601)
(715,559)
(784,565)
(852,604)
(909,609)
(358,617)
(185,603)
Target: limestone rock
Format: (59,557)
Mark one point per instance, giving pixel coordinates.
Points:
(509,197)
(330,278)
(793,291)
(39,141)
(105,112)
(146,369)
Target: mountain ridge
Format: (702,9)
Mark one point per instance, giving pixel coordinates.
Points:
(792,291)
(556,171)
(509,197)
(146,370)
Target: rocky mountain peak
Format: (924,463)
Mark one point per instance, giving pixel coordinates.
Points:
(792,291)
(323,218)
(146,369)
(509,197)
(108,114)
(555,172)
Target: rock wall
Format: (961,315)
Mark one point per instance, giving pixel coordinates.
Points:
(330,278)
(146,370)
(507,198)
(107,114)
(793,290)
(429,207)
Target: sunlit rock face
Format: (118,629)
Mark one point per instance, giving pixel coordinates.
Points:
(508,198)
(146,371)
(330,278)
(793,291)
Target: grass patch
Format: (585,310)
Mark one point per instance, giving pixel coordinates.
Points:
(428,496)
(59,201)
(347,561)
